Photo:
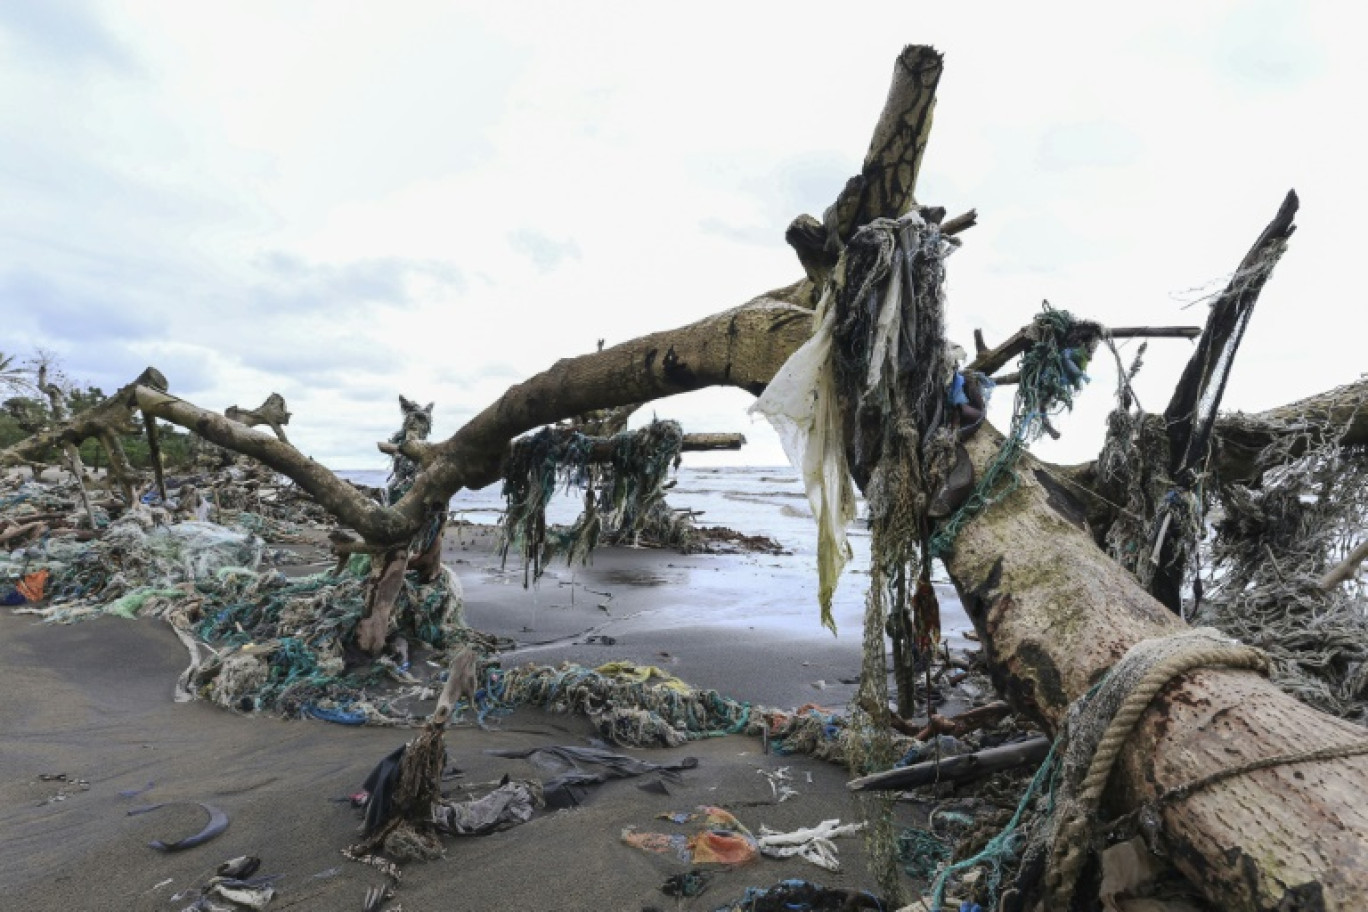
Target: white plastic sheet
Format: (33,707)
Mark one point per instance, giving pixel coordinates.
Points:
(801,404)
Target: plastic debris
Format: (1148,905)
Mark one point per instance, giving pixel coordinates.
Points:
(31,585)
(688,884)
(508,805)
(802,405)
(812,844)
(803,896)
(253,896)
(566,788)
(719,839)
(778,783)
(218,822)
(239,868)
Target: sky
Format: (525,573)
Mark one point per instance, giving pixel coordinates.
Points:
(346,202)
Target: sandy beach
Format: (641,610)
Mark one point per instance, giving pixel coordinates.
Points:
(90,715)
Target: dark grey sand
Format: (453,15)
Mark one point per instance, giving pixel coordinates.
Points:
(93,701)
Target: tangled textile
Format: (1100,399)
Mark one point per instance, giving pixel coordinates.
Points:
(718,838)
(508,805)
(619,493)
(812,844)
(629,706)
(576,767)
(800,402)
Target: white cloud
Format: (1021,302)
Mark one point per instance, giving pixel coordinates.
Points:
(345,202)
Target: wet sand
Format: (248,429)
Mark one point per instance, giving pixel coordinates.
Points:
(93,701)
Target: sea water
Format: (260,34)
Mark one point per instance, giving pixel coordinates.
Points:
(751,500)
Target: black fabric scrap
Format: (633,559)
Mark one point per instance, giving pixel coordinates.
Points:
(380,786)
(568,787)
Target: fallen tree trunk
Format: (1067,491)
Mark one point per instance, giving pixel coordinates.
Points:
(104,422)
(1055,613)
(1239,439)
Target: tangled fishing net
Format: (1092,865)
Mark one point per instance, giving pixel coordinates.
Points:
(416,427)
(258,640)
(642,706)
(876,395)
(1274,544)
(1053,370)
(1251,550)
(631,705)
(623,477)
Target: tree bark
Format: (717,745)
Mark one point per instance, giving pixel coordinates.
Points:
(1054,613)
(373,627)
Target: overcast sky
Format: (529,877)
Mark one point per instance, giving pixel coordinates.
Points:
(343,202)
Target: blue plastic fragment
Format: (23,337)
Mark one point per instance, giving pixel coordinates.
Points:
(957,394)
(340,716)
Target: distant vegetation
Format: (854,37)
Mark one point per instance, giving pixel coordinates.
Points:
(27,410)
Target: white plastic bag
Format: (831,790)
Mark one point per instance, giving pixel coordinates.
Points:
(801,404)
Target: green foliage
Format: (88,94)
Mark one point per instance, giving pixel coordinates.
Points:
(80,400)
(23,416)
(28,415)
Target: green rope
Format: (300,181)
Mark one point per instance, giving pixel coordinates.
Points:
(1052,370)
(921,852)
(1005,845)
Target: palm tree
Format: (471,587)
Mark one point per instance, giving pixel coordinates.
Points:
(13,378)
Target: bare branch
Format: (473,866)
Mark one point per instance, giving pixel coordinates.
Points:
(1346,569)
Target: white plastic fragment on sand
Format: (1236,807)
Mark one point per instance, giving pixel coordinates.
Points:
(812,844)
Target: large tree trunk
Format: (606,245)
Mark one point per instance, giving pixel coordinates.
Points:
(1055,613)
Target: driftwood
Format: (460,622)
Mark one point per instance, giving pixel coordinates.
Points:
(271,413)
(104,422)
(1191,414)
(20,532)
(959,769)
(1054,613)
(1346,568)
(696,443)
(967,721)
(991,360)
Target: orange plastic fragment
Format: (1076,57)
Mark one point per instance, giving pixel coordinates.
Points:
(31,586)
